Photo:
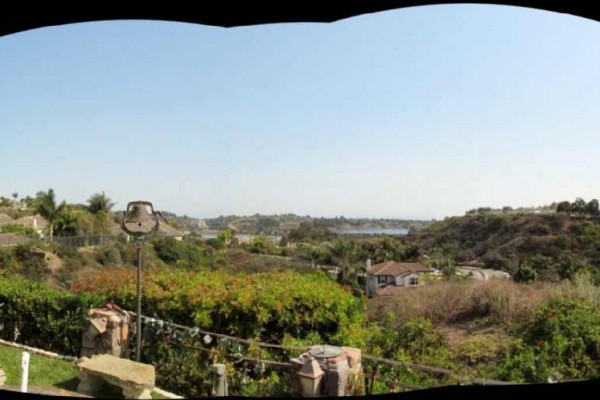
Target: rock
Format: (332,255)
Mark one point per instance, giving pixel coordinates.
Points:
(135,379)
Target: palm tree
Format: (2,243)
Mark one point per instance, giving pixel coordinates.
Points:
(100,202)
(47,208)
(345,255)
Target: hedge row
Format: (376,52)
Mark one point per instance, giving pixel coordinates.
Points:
(275,307)
(39,316)
(269,306)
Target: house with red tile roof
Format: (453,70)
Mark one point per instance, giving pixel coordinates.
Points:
(389,277)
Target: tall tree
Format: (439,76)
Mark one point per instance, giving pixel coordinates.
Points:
(100,202)
(103,221)
(345,254)
(563,206)
(46,206)
(593,208)
(578,206)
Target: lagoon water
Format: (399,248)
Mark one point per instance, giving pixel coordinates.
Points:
(375,231)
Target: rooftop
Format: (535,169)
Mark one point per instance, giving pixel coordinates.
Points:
(394,268)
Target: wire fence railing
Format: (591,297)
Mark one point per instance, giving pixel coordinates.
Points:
(89,240)
(372,364)
(96,240)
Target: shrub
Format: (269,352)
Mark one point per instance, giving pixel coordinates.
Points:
(261,305)
(458,301)
(20,229)
(216,244)
(8,261)
(560,342)
(32,262)
(109,255)
(262,245)
(481,349)
(39,316)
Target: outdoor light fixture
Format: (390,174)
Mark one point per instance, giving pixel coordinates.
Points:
(139,221)
(311,375)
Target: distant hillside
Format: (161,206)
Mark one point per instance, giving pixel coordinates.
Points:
(284,223)
(553,246)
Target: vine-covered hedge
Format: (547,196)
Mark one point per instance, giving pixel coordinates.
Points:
(275,307)
(265,305)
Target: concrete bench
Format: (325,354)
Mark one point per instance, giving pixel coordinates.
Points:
(135,379)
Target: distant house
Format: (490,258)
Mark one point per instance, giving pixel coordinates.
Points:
(35,222)
(165,229)
(388,277)
(5,220)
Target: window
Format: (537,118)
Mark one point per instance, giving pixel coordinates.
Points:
(413,281)
(381,280)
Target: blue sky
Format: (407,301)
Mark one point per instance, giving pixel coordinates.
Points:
(416,113)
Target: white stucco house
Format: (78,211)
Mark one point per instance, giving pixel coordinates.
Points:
(387,278)
(36,222)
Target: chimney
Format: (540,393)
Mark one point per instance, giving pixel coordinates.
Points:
(34,223)
(368,264)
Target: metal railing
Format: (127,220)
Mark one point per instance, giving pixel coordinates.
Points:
(88,240)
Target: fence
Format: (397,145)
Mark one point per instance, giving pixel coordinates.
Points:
(95,240)
(373,362)
(90,240)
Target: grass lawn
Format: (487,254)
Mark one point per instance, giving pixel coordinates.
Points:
(46,373)
(43,371)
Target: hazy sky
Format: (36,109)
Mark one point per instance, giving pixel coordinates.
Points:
(415,113)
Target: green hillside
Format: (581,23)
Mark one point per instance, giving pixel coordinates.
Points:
(553,246)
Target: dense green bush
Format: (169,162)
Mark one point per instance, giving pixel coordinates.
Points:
(8,261)
(215,243)
(109,255)
(262,305)
(262,245)
(308,232)
(34,314)
(560,342)
(25,261)
(190,253)
(20,229)
(32,262)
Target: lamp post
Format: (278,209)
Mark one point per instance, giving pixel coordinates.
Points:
(139,221)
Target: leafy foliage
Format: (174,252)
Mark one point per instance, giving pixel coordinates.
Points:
(100,202)
(560,342)
(261,305)
(530,247)
(20,229)
(188,254)
(309,233)
(262,245)
(39,316)
(47,207)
